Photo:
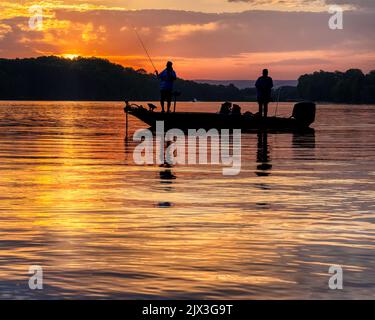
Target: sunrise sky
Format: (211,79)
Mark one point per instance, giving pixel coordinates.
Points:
(207,39)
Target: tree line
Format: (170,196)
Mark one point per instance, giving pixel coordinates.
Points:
(94,79)
(352,86)
(56,78)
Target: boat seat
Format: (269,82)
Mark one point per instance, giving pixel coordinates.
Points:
(236,110)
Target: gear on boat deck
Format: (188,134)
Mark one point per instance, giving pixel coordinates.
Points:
(303,116)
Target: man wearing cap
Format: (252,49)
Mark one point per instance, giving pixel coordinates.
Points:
(167,78)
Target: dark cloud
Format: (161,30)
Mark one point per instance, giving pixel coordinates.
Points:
(353,3)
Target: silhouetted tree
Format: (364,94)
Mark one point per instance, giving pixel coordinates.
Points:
(55,78)
(351,86)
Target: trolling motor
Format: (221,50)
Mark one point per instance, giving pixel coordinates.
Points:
(127,106)
(131,106)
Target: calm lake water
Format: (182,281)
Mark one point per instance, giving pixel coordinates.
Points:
(73,202)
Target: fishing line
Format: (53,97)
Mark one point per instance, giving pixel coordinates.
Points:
(144,47)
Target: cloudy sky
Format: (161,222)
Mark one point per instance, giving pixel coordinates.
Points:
(210,39)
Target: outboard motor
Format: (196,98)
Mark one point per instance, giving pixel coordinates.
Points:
(304,113)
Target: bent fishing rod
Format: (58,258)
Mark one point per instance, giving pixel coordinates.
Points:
(144,48)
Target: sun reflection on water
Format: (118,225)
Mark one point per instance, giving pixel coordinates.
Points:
(73,202)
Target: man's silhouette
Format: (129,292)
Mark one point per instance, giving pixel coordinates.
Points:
(264,87)
(167,77)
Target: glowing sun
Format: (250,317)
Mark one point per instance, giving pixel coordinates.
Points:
(70,56)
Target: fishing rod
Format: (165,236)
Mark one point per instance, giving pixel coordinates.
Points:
(144,48)
(278,100)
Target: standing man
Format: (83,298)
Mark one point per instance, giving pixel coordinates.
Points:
(167,77)
(264,87)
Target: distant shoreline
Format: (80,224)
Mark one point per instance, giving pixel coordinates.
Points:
(245,84)
(92,79)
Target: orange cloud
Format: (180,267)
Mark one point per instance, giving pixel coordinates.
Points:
(226,45)
(11,9)
(177,31)
(4,29)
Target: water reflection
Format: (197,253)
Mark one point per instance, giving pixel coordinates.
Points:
(304,145)
(304,139)
(72,200)
(166,176)
(263,155)
(166,180)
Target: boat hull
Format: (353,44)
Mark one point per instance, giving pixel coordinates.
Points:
(199,120)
